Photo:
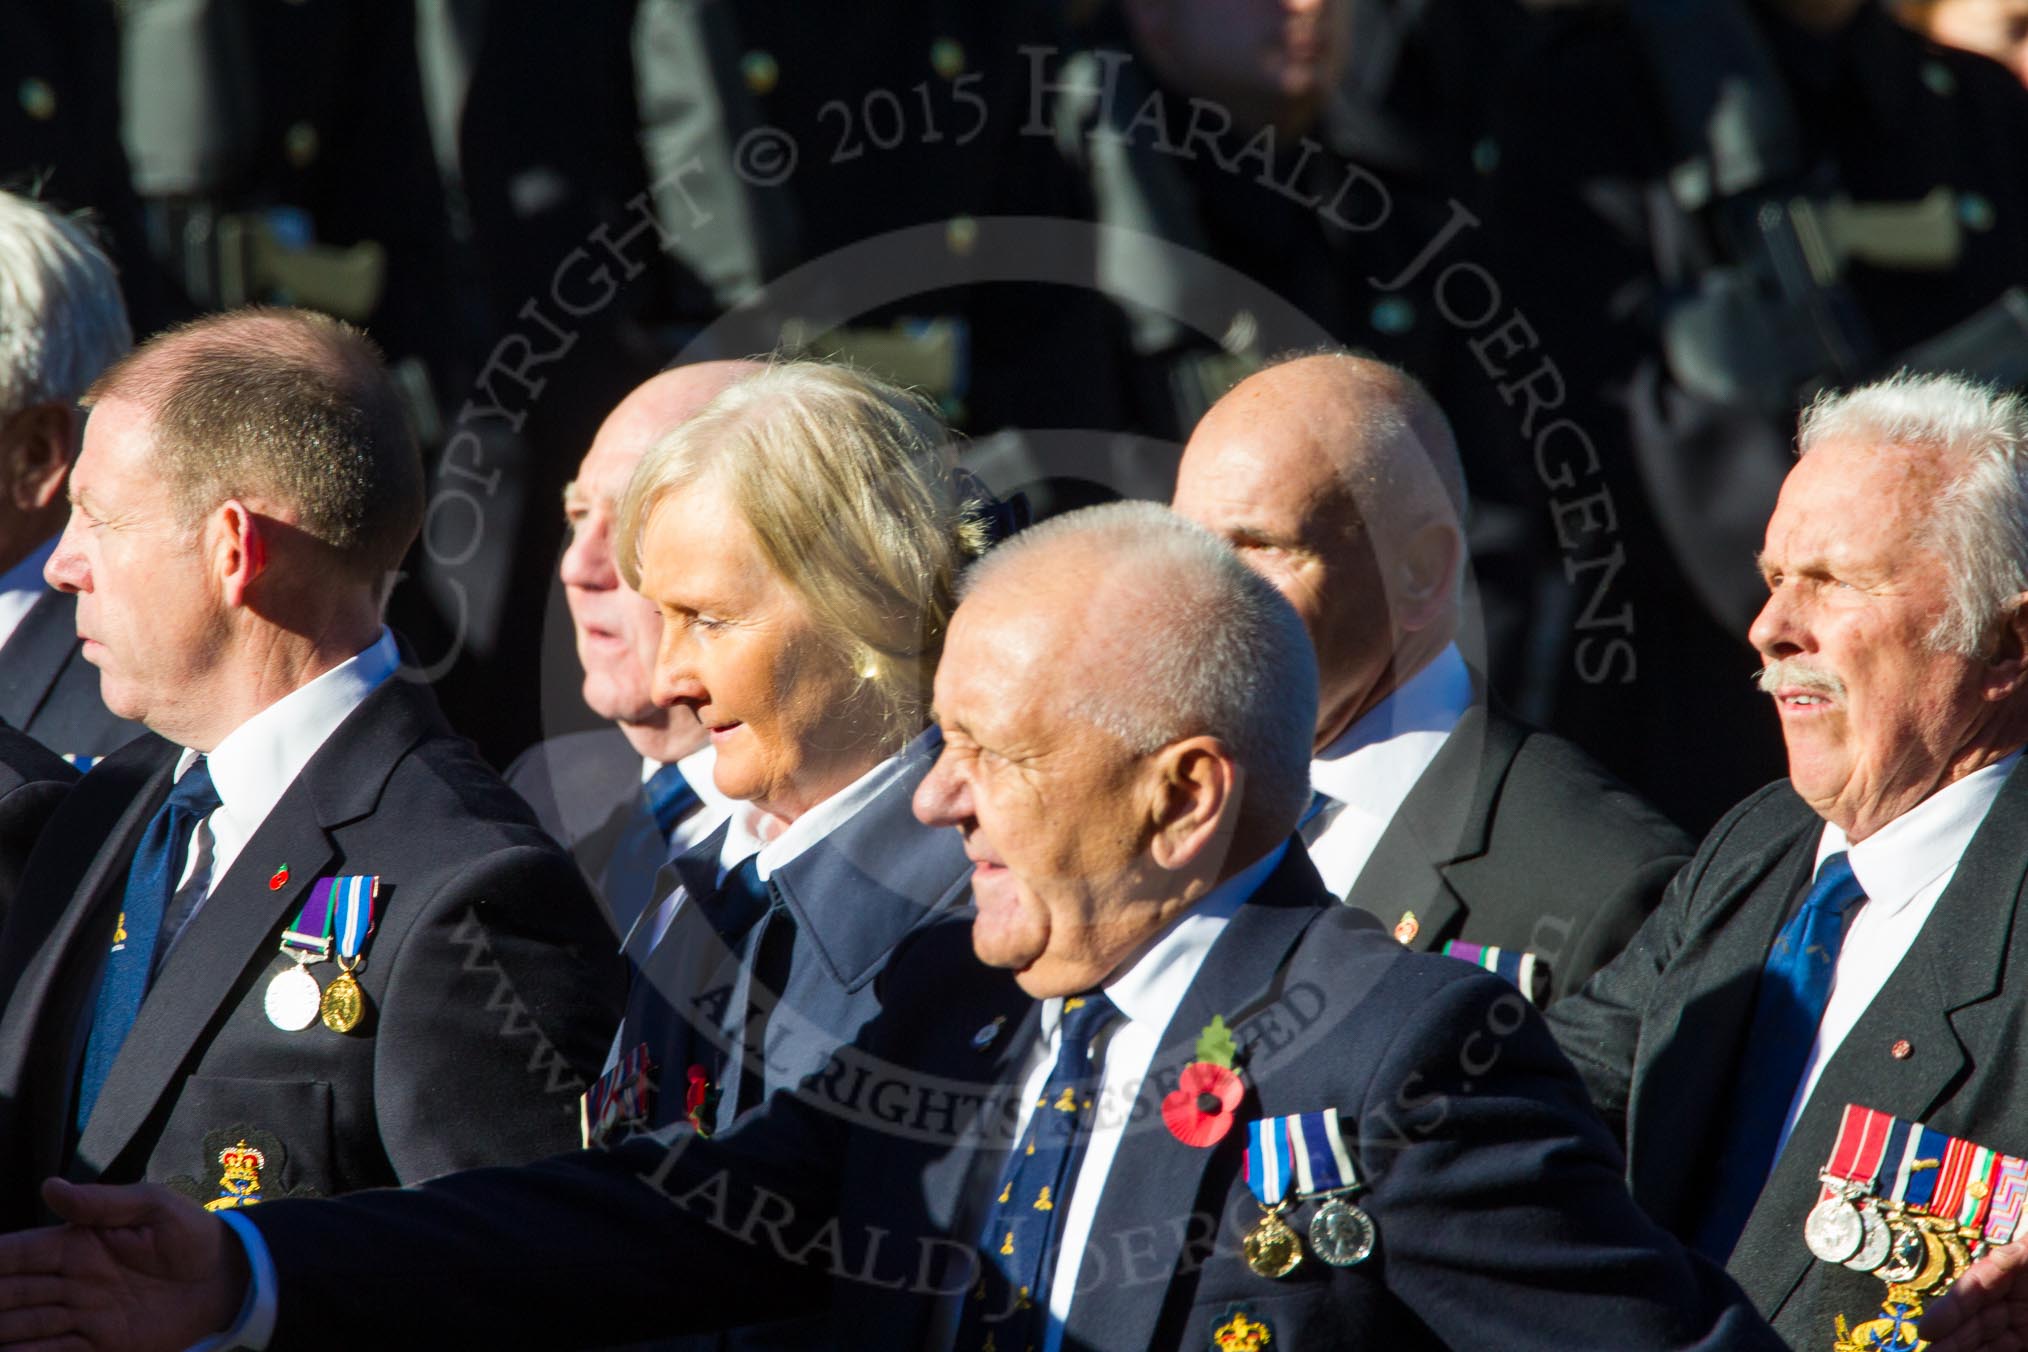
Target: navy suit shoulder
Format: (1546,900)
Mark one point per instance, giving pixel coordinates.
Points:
(32,782)
(490,984)
(50,692)
(576,782)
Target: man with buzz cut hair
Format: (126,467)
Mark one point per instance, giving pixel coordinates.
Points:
(1337,478)
(65,324)
(1852,937)
(1161,1093)
(300,940)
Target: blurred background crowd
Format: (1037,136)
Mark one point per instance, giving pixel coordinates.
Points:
(1622,242)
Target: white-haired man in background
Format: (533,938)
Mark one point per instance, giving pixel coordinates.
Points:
(65,323)
(1851,935)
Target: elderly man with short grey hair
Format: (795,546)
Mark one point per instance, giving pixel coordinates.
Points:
(1838,971)
(65,324)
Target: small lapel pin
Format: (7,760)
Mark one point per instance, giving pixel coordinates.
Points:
(1405,928)
(279,880)
(984,1037)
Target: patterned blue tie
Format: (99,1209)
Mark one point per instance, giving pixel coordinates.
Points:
(669,797)
(1005,1311)
(1795,985)
(151,881)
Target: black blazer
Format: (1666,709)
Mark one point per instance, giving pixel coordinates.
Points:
(490,979)
(1515,837)
(585,788)
(32,782)
(1502,1218)
(1657,1032)
(50,692)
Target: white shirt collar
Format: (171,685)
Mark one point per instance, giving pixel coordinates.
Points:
(806,830)
(1374,763)
(257,761)
(1149,988)
(1898,861)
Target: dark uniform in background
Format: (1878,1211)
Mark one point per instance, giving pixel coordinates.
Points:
(1692,309)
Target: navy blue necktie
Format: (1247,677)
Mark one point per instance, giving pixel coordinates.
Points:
(1006,1310)
(151,881)
(669,797)
(628,878)
(1795,985)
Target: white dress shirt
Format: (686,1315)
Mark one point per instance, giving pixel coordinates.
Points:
(1147,992)
(1903,868)
(1368,771)
(257,761)
(20,588)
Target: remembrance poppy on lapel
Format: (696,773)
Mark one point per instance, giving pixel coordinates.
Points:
(1199,1113)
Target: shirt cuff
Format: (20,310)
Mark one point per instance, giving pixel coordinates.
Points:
(256,1322)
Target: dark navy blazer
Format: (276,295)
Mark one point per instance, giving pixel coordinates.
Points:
(1502,1217)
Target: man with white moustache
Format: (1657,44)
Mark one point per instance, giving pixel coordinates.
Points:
(1851,935)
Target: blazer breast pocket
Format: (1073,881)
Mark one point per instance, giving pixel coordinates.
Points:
(232,1143)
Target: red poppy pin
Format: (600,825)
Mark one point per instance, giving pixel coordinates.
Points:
(1199,1113)
(700,1101)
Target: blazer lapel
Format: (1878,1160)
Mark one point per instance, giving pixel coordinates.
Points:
(1156,1181)
(1689,1078)
(1442,825)
(225,949)
(34,656)
(1933,1004)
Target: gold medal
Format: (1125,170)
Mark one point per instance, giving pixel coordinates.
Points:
(1271,1248)
(343,1004)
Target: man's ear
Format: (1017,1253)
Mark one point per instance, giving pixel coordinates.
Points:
(39,440)
(239,549)
(1425,575)
(1196,787)
(2007,655)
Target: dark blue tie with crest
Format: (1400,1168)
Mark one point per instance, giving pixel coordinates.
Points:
(151,882)
(1005,1311)
(1795,986)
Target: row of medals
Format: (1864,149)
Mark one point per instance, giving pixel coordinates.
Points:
(294,1001)
(1903,1246)
(1340,1234)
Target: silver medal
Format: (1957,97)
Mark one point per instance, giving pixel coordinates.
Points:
(1341,1234)
(293,999)
(1873,1245)
(1906,1253)
(1834,1230)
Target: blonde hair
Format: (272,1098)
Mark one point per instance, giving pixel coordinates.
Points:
(849,486)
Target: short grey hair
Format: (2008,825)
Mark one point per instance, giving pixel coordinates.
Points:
(61,317)
(1979,524)
(1213,648)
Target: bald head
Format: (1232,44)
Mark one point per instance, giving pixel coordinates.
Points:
(617,631)
(1337,479)
(1126,713)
